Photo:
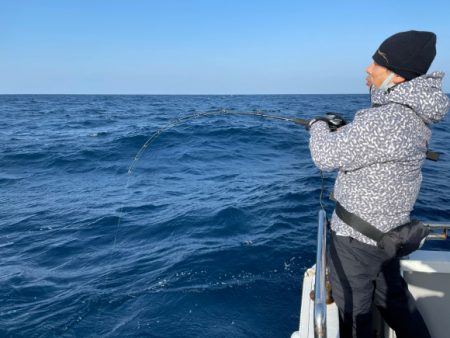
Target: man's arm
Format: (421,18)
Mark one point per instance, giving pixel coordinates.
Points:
(365,141)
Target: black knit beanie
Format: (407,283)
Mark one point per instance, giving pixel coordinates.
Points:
(408,54)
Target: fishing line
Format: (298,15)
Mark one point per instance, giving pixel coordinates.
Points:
(185,119)
(322,189)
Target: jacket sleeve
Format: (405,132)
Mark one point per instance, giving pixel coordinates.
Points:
(366,141)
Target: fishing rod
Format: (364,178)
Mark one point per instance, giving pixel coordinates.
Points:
(193,116)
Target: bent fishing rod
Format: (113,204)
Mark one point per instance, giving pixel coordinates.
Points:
(184,119)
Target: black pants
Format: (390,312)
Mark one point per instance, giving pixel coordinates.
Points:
(361,276)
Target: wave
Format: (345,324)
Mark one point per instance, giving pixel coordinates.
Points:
(10,180)
(142,208)
(100,134)
(25,156)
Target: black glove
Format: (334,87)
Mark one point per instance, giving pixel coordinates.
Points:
(333,120)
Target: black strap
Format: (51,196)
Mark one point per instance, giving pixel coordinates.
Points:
(358,223)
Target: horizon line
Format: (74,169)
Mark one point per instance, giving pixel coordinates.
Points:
(143,94)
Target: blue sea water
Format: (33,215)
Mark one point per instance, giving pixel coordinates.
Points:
(209,236)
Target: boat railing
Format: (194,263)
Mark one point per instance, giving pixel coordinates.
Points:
(320,295)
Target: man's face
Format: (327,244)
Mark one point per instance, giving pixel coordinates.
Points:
(376,74)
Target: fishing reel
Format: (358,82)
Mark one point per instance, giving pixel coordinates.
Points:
(334,121)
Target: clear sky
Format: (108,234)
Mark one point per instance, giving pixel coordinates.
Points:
(204,46)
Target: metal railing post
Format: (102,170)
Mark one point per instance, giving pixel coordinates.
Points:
(320,306)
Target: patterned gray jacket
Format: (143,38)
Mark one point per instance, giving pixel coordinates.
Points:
(380,154)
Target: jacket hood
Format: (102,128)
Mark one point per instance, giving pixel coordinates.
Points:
(423,95)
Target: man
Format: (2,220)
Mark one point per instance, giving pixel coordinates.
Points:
(379,157)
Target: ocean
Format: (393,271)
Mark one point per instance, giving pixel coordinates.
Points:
(209,236)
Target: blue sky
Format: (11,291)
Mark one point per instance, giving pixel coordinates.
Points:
(204,46)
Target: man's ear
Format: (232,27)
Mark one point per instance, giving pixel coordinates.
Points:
(398,79)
